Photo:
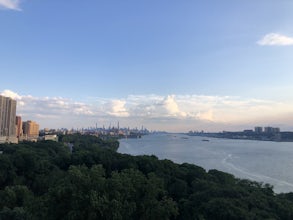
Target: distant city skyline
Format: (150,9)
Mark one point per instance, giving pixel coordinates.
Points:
(167,65)
(170,113)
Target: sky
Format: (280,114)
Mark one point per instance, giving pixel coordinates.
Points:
(167,65)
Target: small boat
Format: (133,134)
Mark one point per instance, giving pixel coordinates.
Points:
(205,140)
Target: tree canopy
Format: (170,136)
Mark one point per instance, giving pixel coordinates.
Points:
(46,180)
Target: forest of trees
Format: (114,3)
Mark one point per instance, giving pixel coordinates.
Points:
(46,180)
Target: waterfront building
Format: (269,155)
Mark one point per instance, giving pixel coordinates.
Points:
(276,130)
(272,130)
(7,120)
(258,130)
(248,131)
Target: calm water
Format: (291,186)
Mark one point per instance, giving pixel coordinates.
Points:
(269,162)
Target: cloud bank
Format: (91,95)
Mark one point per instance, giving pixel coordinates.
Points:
(171,112)
(274,39)
(10,4)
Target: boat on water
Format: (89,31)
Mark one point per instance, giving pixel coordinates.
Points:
(133,136)
(205,140)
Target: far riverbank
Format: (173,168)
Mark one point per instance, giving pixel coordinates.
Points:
(248,135)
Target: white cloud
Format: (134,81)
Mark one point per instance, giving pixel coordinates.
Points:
(10,94)
(155,111)
(274,39)
(171,106)
(116,108)
(55,107)
(10,4)
(207,115)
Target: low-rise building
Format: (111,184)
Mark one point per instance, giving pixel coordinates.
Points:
(51,137)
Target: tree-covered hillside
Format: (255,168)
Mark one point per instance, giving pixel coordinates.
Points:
(45,180)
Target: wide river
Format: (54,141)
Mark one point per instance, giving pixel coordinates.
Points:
(262,161)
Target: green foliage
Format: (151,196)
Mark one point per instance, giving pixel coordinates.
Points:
(46,180)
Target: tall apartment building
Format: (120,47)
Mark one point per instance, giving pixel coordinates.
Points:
(30,130)
(272,130)
(18,124)
(258,130)
(7,119)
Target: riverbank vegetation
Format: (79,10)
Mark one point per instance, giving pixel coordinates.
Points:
(49,180)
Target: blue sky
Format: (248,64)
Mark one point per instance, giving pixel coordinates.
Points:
(171,65)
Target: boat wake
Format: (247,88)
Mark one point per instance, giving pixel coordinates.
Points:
(254,176)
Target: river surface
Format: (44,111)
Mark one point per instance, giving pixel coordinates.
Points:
(262,161)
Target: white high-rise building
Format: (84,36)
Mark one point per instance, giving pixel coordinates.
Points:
(7,119)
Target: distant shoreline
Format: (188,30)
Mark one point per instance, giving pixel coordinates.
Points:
(275,137)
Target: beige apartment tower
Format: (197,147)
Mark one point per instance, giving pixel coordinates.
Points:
(30,129)
(7,119)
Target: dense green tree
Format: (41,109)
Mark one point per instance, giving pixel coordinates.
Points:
(45,180)
(7,171)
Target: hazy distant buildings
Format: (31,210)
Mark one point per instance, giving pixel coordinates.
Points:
(30,130)
(7,120)
(259,133)
(258,130)
(268,130)
(271,130)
